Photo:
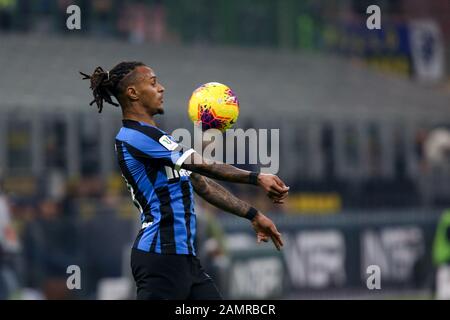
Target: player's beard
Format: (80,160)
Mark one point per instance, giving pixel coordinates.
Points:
(156,110)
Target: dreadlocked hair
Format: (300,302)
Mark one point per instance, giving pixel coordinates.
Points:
(105,84)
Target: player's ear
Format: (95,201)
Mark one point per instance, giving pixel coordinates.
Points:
(131,93)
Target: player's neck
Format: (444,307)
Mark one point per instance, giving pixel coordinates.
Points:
(139,116)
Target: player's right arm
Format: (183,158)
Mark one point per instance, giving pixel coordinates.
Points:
(274,187)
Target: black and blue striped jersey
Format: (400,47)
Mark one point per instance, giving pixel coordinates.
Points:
(150,161)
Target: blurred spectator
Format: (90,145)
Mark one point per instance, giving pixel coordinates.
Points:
(437,147)
(7,8)
(327,146)
(104,238)
(374,151)
(158,32)
(9,249)
(134,21)
(436,153)
(441,257)
(141,22)
(400,163)
(419,143)
(102,17)
(68,202)
(50,246)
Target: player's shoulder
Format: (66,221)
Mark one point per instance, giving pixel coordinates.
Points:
(137,133)
(132,130)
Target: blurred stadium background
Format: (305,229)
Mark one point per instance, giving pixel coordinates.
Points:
(364,143)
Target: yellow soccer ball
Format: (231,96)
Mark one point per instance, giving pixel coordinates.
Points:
(214,106)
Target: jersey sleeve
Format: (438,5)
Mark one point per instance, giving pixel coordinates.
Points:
(159,147)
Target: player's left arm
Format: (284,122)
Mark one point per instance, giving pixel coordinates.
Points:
(221,198)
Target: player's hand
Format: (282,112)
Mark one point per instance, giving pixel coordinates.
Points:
(275,188)
(265,229)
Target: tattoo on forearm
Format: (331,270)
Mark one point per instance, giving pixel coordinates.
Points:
(218,196)
(221,171)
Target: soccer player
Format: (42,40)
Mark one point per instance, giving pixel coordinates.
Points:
(161,179)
